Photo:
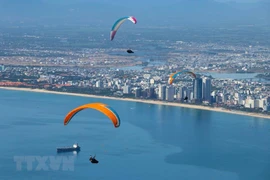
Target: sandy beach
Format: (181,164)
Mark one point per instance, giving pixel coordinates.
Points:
(142,101)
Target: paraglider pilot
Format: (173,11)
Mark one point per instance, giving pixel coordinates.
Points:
(129,51)
(93,159)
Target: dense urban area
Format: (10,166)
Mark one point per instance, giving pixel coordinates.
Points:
(151,84)
(66,64)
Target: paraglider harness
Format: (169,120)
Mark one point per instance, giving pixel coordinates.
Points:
(93,159)
(129,51)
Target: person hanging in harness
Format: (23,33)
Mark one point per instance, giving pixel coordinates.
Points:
(129,51)
(93,159)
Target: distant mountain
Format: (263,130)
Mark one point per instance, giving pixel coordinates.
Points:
(170,12)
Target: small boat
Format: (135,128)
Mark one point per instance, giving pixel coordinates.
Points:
(75,147)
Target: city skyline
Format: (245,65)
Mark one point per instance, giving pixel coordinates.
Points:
(203,90)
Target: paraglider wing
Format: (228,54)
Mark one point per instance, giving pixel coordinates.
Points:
(170,80)
(103,108)
(194,75)
(119,22)
(117,121)
(174,75)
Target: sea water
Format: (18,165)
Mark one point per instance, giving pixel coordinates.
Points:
(153,142)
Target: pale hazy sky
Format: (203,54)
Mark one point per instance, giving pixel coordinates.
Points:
(166,11)
(242,1)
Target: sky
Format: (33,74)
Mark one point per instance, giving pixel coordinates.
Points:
(239,1)
(156,12)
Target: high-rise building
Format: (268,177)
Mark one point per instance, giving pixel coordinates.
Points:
(206,89)
(268,100)
(183,92)
(268,107)
(249,102)
(197,89)
(144,94)
(213,97)
(259,103)
(178,95)
(99,84)
(162,92)
(191,95)
(170,93)
(151,94)
(138,92)
(126,89)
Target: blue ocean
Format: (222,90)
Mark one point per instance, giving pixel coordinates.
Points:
(153,142)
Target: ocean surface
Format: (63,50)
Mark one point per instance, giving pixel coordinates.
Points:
(153,142)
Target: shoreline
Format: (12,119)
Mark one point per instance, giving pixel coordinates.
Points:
(142,101)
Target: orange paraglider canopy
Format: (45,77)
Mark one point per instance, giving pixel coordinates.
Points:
(103,108)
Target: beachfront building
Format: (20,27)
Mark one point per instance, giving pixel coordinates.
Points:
(170,93)
(197,89)
(126,89)
(260,103)
(268,100)
(183,92)
(249,102)
(151,93)
(138,92)
(99,84)
(162,92)
(206,89)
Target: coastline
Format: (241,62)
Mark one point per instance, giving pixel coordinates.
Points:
(141,101)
